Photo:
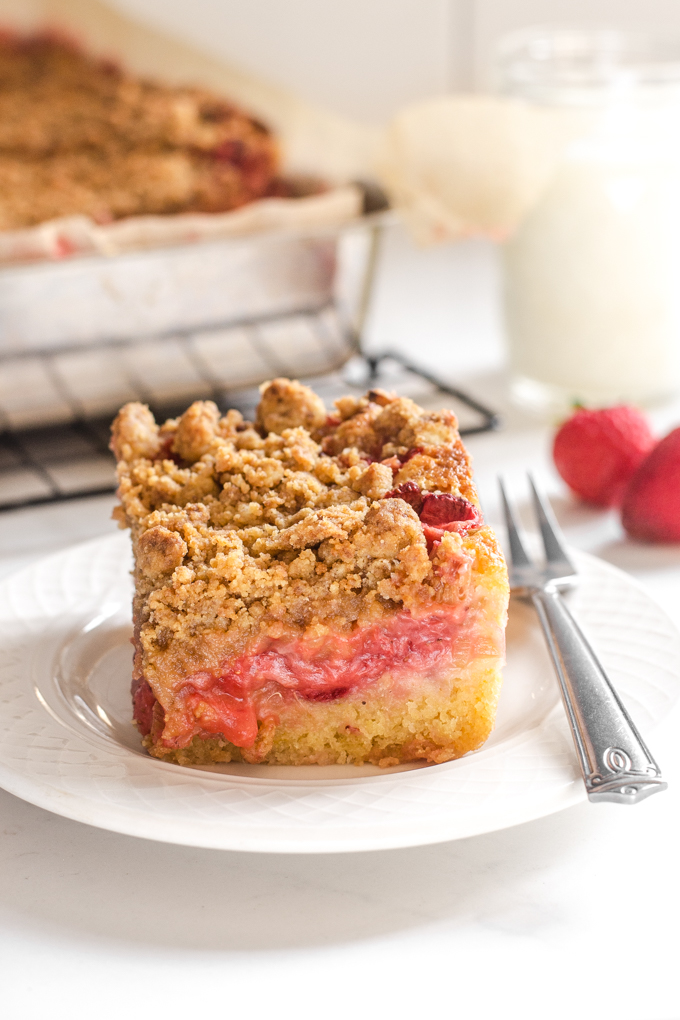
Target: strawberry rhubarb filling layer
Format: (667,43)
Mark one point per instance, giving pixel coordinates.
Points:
(230,700)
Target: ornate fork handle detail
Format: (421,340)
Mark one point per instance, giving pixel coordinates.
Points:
(616,764)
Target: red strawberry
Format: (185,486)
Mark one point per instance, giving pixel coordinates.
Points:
(651,504)
(410,493)
(597,452)
(438,511)
(441,510)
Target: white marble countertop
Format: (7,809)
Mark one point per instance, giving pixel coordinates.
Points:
(571,915)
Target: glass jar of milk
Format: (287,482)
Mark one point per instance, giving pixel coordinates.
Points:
(592,275)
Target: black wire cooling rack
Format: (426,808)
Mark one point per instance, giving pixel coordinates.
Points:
(73,390)
(71,460)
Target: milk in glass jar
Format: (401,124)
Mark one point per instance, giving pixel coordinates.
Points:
(592,275)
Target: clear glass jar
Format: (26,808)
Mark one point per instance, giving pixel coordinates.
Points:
(592,276)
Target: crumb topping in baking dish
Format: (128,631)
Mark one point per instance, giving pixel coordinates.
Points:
(81,135)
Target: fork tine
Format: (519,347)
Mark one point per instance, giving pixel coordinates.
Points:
(553,539)
(518,553)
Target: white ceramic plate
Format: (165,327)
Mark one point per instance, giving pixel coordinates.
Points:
(67,743)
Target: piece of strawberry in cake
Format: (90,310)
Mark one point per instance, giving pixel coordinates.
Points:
(310,588)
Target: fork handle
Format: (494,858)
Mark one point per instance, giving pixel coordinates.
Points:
(614,760)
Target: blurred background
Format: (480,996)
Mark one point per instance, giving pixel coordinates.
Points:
(77,338)
(367,58)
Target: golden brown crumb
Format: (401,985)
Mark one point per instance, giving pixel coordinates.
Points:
(278,534)
(375,483)
(196,430)
(79,135)
(288,405)
(135,434)
(159,551)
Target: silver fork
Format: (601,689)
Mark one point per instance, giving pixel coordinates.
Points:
(614,760)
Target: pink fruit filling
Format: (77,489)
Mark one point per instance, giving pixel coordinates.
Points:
(230,701)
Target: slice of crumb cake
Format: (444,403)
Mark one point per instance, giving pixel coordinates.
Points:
(310,587)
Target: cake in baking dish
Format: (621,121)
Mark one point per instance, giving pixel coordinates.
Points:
(310,588)
(81,135)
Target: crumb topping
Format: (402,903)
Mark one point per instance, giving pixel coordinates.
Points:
(80,135)
(293,524)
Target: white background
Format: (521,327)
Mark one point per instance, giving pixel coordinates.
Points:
(365,58)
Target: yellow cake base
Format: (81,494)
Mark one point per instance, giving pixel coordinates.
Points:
(431,720)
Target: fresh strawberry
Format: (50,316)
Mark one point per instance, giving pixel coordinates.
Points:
(651,504)
(597,452)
